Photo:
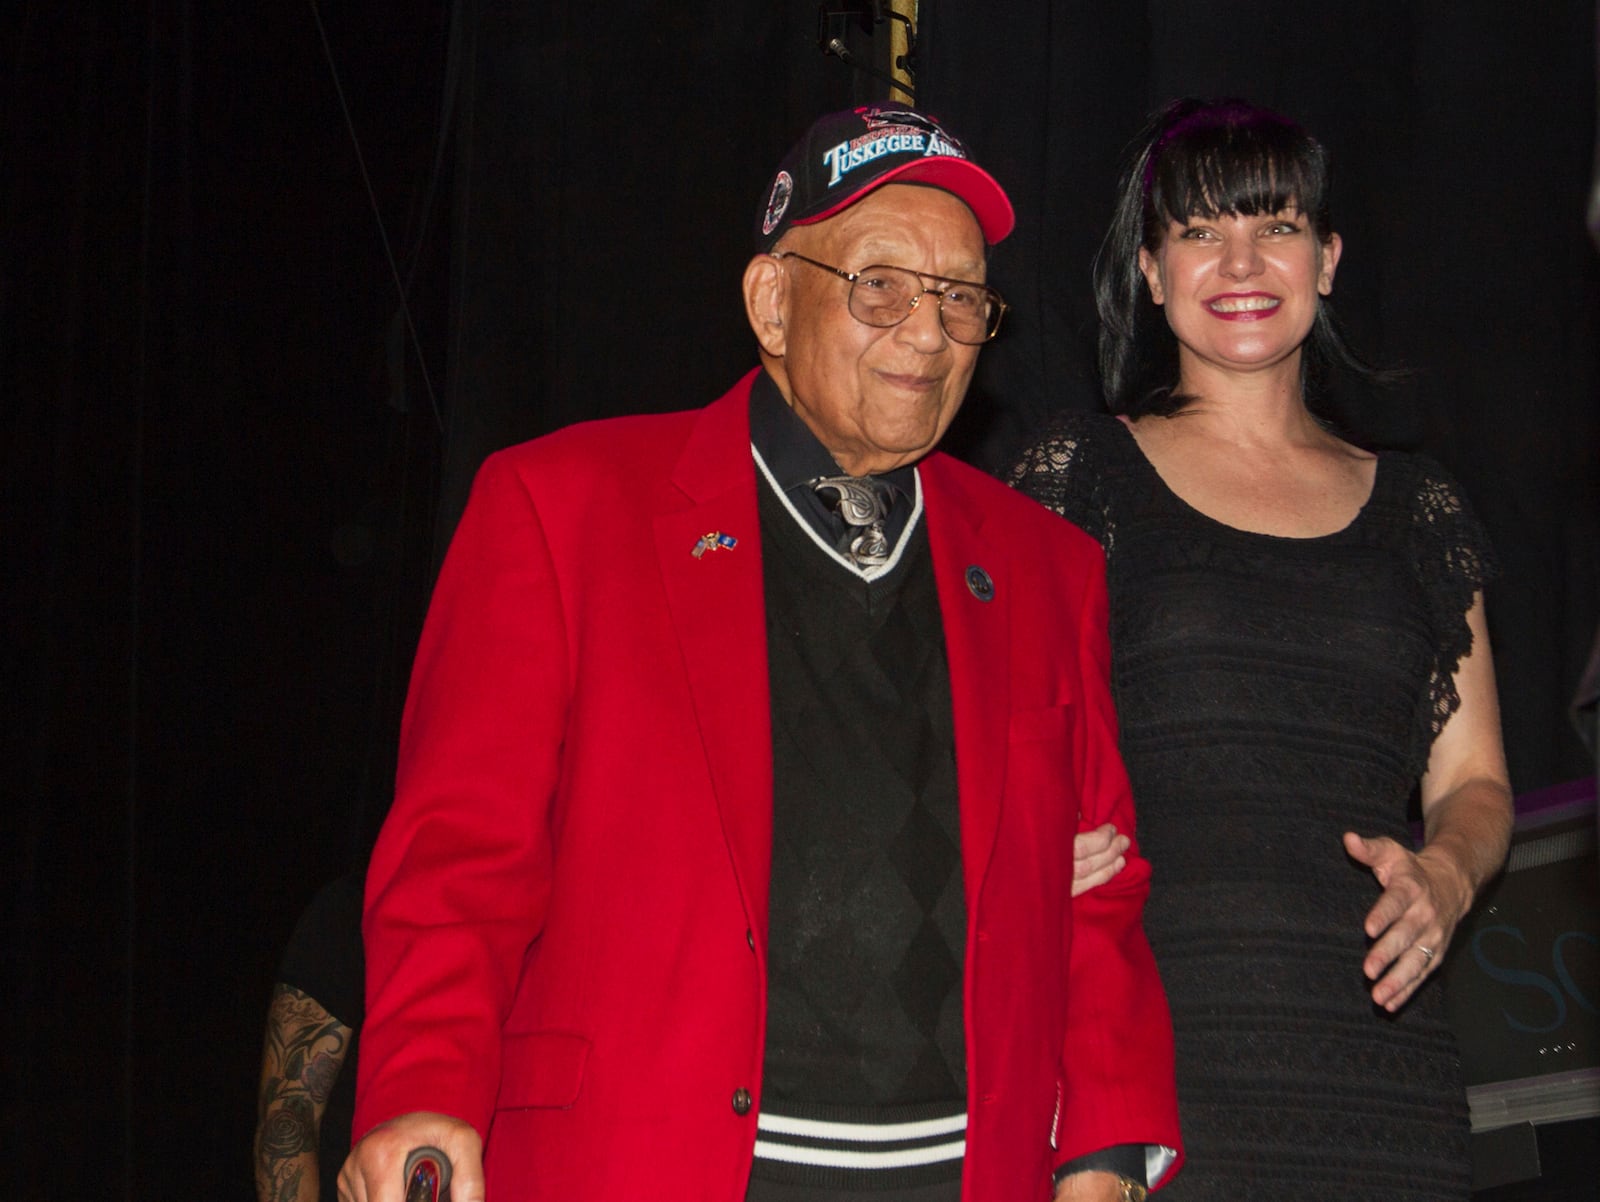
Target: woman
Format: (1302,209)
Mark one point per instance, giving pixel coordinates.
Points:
(1298,641)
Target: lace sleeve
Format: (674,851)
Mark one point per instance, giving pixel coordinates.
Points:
(1058,470)
(1454,560)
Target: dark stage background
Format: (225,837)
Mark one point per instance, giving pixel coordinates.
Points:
(230,468)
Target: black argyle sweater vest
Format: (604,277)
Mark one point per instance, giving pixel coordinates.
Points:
(867,919)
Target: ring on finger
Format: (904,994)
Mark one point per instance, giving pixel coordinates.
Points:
(1427,953)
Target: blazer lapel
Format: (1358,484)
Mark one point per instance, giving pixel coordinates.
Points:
(718,609)
(972,576)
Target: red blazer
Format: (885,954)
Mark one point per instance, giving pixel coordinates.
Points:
(566,916)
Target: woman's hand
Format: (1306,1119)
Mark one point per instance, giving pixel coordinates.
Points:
(1097,856)
(1425,896)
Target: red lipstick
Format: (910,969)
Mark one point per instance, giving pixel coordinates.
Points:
(1243,306)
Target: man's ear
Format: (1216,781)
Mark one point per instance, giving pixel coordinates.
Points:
(766,297)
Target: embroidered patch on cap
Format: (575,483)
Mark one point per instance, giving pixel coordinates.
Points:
(777,202)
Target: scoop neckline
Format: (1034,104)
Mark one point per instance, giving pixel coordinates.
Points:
(1378,473)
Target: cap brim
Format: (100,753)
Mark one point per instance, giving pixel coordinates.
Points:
(960,177)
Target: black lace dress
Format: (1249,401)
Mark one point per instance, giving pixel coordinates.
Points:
(1274,693)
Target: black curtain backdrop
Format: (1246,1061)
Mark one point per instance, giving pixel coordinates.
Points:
(229,469)
(219,479)
(609,166)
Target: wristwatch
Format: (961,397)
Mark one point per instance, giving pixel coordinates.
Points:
(1132,1191)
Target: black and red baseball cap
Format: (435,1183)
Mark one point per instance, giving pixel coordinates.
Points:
(846,155)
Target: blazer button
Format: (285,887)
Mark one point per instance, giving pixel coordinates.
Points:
(750,938)
(741,1101)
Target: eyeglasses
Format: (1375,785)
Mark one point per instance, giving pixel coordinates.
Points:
(885,296)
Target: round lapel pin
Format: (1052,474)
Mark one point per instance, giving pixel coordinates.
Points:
(979,584)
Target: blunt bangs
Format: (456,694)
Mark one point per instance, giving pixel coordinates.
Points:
(1235,160)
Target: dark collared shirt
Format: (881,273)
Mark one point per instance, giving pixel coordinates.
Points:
(790,452)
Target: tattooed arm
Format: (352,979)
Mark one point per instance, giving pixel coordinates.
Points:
(305,1049)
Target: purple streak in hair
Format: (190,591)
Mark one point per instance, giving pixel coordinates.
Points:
(1209,116)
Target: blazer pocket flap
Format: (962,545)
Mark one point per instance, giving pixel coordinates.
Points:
(1033,726)
(541,1068)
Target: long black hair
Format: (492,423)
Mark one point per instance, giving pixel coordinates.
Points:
(1201,158)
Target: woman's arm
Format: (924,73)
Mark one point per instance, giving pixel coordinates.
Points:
(1466,813)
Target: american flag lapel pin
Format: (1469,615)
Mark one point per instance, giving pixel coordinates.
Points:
(714,541)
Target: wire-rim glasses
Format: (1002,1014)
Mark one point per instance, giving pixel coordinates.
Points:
(884,296)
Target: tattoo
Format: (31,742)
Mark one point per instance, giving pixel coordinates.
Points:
(304,1051)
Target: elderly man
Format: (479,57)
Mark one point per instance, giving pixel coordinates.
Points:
(746,747)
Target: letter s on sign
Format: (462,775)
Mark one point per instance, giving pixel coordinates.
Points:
(1520,977)
(1558,954)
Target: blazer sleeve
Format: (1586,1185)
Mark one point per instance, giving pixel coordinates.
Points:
(1117,1061)
(460,876)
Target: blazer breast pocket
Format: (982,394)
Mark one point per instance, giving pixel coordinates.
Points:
(541,1069)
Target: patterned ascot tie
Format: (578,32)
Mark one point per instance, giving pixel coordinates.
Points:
(864,503)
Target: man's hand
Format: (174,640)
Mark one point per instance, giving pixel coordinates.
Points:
(1089,1186)
(1424,896)
(1097,856)
(376,1167)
